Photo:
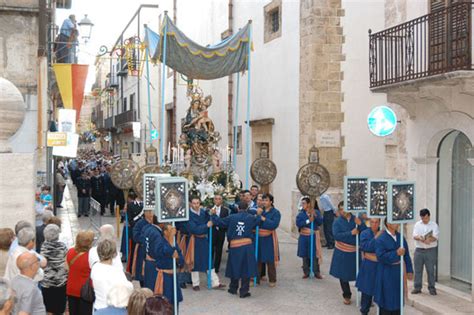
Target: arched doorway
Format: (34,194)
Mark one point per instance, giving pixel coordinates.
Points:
(455,206)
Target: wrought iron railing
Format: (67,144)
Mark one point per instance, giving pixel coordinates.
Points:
(125,117)
(432,44)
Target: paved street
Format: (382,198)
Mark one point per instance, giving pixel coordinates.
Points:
(292,295)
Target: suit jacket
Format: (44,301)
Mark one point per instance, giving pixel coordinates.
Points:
(220,231)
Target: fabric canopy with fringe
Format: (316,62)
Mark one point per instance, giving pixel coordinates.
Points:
(196,61)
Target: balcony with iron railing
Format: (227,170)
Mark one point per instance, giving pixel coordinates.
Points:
(128,116)
(429,46)
(109,123)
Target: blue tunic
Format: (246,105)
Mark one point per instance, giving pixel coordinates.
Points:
(165,251)
(241,262)
(266,250)
(197,225)
(387,283)
(153,235)
(304,241)
(343,264)
(139,240)
(366,277)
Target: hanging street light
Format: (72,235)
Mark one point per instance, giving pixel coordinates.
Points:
(85,26)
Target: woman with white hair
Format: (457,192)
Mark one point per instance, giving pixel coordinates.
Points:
(7,298)
(53,285)
(104,275)
(117,300)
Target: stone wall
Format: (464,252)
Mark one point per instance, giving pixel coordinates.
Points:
(395,12)
(321,40)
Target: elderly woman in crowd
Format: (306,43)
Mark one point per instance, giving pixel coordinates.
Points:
(136,303)
(77,260)
(117,300)
(104,276)
(47,215)
(55,275)
(6,238)
(7,298)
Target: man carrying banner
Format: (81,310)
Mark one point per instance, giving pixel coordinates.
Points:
(303,222)
(241,262)
(165,253)
(343,264)
(153,235)
(139,253)
(366,278)
(387,279)
(268,249)
(197,253)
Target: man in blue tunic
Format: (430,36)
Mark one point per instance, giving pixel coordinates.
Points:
(241,264)
(303,221)
(139,253)
(366,278)
(268,249)
(387,280)
(164,265)
(343,264)
(197,253)
(153,235)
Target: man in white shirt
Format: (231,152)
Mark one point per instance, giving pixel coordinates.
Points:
(105,231)
(425,234)
(218,236)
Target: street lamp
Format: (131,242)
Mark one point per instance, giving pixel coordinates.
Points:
(85,26)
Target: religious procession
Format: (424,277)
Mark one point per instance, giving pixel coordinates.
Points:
(236,157)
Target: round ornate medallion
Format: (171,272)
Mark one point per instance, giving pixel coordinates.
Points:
(138,180)
(313,179)
(263,171)
(123,173)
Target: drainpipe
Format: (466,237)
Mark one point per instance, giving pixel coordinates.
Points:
(230,85)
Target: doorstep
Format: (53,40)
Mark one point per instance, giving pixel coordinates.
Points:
(446,302)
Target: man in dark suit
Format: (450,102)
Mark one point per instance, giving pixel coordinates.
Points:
(218,233)
(98,189)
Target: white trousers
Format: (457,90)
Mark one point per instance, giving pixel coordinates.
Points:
(214,278)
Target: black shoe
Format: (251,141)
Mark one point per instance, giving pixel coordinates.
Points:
(433,292)
(245,295)
(416,291)
(86,215)
(330,247)
(182,285)
(78,215)
(59,206)
(232,292)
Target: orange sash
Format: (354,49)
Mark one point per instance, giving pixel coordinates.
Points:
(149,258)
(370,256)
(159,283)
(305,231)
(182,244)
(189,257)
(134,263)
(347,248)
(240,242)
(276,250)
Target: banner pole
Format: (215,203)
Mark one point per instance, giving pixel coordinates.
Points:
(163,80)
(247,127)
(357,264)
(311,251)
(402,282)
(256,254)
(148,91)
(175,289)
(236,121)
(209,282)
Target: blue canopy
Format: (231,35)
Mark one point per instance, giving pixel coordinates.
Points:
(196,61)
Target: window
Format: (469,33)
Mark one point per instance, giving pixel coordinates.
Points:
(124,105)
(239,139)
(272,23)
(275,20)
(132,101)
